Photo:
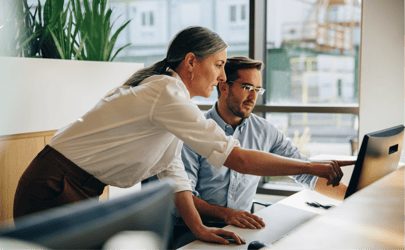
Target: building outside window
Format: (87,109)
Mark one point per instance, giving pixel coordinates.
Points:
(312,66)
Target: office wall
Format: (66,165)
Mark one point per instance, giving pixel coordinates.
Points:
(46,94)
(381,66)
(39,96)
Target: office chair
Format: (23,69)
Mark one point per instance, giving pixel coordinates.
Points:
(259,202)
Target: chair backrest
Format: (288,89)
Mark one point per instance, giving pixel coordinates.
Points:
(88,224)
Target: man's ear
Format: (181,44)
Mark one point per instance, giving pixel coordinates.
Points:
(190,60)
(223,88)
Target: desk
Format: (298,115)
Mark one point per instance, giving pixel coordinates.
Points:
(370,218)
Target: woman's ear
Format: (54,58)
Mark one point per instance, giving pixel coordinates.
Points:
(190,60)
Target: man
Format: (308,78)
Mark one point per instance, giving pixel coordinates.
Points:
(224,194)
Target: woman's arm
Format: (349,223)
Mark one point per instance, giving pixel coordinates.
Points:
(255,162)
(185,205)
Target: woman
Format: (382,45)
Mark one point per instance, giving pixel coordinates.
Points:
(136,131)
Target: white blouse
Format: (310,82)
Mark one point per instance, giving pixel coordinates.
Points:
(137,132)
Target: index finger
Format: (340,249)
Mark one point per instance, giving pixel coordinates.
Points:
(346,163)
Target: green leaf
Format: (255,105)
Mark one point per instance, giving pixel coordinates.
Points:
(70,37)
(39,12)
(78,52)
(47,12)
(26,41)
(86,6)
(115,36)
(57,44)
(118,51)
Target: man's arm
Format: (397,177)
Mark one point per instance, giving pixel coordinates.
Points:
(230,216)
(192,164)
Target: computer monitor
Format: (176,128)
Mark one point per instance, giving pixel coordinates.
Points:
(379,155)
(90,223)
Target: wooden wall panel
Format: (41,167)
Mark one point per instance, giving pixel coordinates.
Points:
(15,156)
(16,153)
(48,139)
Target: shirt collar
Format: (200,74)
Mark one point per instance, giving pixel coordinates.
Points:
(213,113)
(182,85)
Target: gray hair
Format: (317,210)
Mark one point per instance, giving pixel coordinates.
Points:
(201,41)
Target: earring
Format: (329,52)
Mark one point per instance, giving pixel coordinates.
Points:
(191,76)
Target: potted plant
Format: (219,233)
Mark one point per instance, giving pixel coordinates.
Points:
(95,27)
(59,30)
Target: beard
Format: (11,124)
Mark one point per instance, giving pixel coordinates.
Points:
(235,106)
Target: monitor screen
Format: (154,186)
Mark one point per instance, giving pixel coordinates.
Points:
(379,155)
(89,224)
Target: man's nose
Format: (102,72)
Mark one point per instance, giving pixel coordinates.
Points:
(253,95)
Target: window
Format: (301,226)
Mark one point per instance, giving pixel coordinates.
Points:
(312,75)
(238,13)
(151,20)
(147,18)
(233,13)
(143,19)
(243,12)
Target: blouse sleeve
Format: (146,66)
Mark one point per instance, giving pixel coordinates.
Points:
(176,113)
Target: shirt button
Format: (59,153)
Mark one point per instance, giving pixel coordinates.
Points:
(230,196)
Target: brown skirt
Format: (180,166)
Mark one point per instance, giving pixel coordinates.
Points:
(52,180)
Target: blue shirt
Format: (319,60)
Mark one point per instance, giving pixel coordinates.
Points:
(226,187)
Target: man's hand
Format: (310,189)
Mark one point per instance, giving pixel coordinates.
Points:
(243,219)
(330,170)
(211,234)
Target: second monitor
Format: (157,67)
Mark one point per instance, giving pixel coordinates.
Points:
(379,155)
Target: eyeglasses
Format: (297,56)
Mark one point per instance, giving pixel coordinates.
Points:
(259,91)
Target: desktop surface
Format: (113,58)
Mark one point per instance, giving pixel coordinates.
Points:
(364,219)
(371,218)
